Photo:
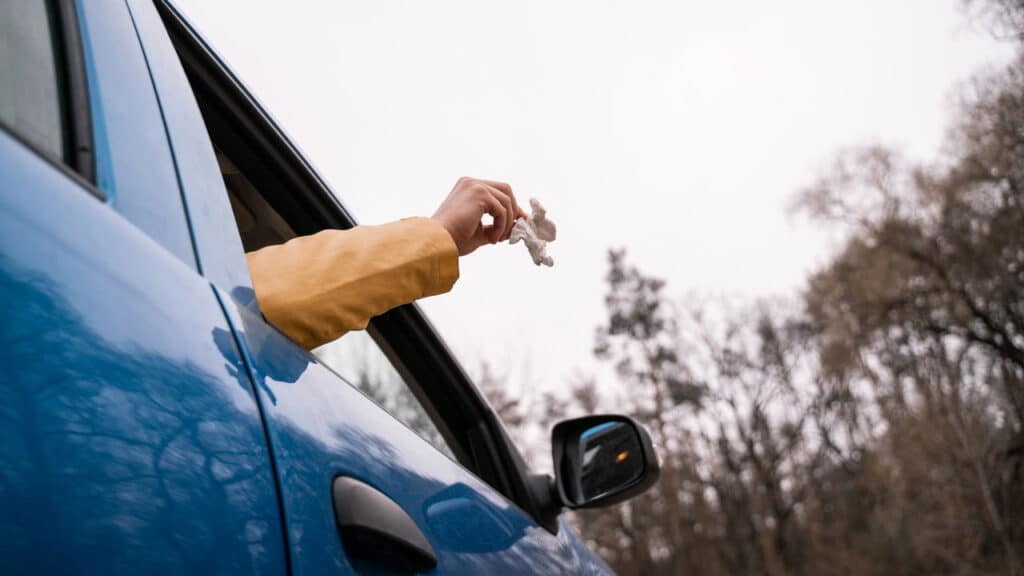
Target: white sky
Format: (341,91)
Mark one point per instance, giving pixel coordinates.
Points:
(677,129)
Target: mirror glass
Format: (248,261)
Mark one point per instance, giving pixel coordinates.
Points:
(610,458)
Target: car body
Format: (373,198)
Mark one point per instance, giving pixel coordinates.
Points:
(152,421)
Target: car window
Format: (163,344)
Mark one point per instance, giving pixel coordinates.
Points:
(32,100)
(357,358)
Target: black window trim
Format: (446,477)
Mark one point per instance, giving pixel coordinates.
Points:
(79,119)
(310,206)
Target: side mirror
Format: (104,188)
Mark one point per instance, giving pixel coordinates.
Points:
(602,460)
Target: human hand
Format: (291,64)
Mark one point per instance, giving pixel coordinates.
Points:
(469,200)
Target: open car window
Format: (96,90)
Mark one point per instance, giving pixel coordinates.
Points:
(359,358)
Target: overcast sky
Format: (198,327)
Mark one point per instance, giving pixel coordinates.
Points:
(677,129)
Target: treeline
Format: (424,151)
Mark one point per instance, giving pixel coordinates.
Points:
(870,425)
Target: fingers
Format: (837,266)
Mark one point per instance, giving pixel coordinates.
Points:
(470,199)
(506,189)
(498,210)
(510,215)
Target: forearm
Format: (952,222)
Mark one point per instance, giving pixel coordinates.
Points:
(315,288)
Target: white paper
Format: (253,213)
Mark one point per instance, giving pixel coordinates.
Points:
(535,231)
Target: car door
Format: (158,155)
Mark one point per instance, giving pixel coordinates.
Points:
(130,436)
(343,461)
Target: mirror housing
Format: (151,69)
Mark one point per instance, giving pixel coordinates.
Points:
(602,460)
(598,461)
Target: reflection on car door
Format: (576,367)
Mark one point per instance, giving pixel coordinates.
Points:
(129,441)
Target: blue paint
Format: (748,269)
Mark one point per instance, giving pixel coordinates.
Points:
(133,157)
(130,440)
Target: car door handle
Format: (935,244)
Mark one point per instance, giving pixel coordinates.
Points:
(374,527)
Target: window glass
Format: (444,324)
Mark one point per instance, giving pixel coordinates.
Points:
(359,360)
(31,100)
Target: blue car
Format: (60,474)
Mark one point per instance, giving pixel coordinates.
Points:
(152,421)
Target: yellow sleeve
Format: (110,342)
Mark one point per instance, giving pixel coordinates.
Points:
(315,288)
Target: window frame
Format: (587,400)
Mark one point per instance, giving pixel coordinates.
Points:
(251,139)
(72,83)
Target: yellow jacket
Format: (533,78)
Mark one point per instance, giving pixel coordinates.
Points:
(316,288)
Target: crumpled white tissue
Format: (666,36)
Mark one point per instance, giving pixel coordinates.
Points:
(535,231)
